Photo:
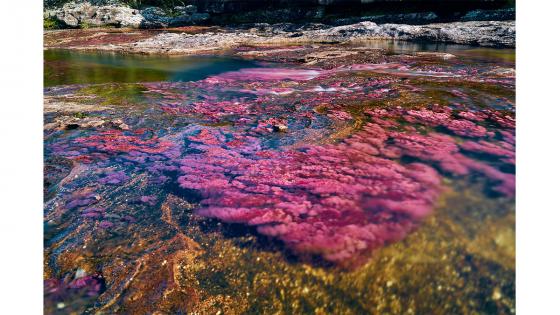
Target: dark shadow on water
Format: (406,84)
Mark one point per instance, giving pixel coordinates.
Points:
(246,236)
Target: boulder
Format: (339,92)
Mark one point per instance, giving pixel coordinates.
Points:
(155,17)
(483,33)
(110,13)
(74,14)
(418,18)
(490,15)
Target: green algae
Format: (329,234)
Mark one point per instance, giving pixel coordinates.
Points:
(51,23)
(72,67)
(115,94)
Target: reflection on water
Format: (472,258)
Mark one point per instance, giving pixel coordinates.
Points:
(70,67)
(480,54)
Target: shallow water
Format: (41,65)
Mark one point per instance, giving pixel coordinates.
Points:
(69,67)
(384,184)
(479,54)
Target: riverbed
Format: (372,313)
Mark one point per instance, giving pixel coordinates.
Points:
(373,177)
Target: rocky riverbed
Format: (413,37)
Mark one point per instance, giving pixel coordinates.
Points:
(328,176)
(343,165)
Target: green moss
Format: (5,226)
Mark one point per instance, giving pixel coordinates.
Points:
(83,25)
(80,115)
(51,23)
(116,94)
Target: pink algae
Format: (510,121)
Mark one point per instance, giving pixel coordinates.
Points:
(502,150)
(344,200)
(340,115)
(460,127)
(335,201)
(445,153)
(338,201)
(275,74)
(443,150)
(466,128)
(91,285)
(267,74)
(118,142)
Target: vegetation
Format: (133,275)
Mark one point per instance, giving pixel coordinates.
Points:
(51,23)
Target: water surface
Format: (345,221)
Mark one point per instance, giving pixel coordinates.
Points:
(75,67)
(213,185)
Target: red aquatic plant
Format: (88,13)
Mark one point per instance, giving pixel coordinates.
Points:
(332,201)
(340,115)
(341,201)
(88,285)
(114,178)
(114,141)
(338,201)
(502,150)
(266,74)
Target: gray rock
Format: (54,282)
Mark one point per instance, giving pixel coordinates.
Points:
(110,13)
(67,122)
(490,33)
(73,14)
(199,17)
(153,13)
(69,20)
(186,15)
(407,18)
(154,17)
(279,128)
(189,9)
(490,15)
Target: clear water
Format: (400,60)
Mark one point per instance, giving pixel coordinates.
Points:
(214,185)
(71,67)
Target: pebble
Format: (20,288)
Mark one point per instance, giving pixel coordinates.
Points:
(280,128)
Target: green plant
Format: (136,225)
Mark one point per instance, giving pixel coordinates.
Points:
(83,25)
(80,115)
(51,23)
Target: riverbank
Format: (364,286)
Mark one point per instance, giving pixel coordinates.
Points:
(168,13)
(205,39)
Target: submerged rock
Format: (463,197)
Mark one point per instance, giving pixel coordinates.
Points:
(73,122)
(280,128)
